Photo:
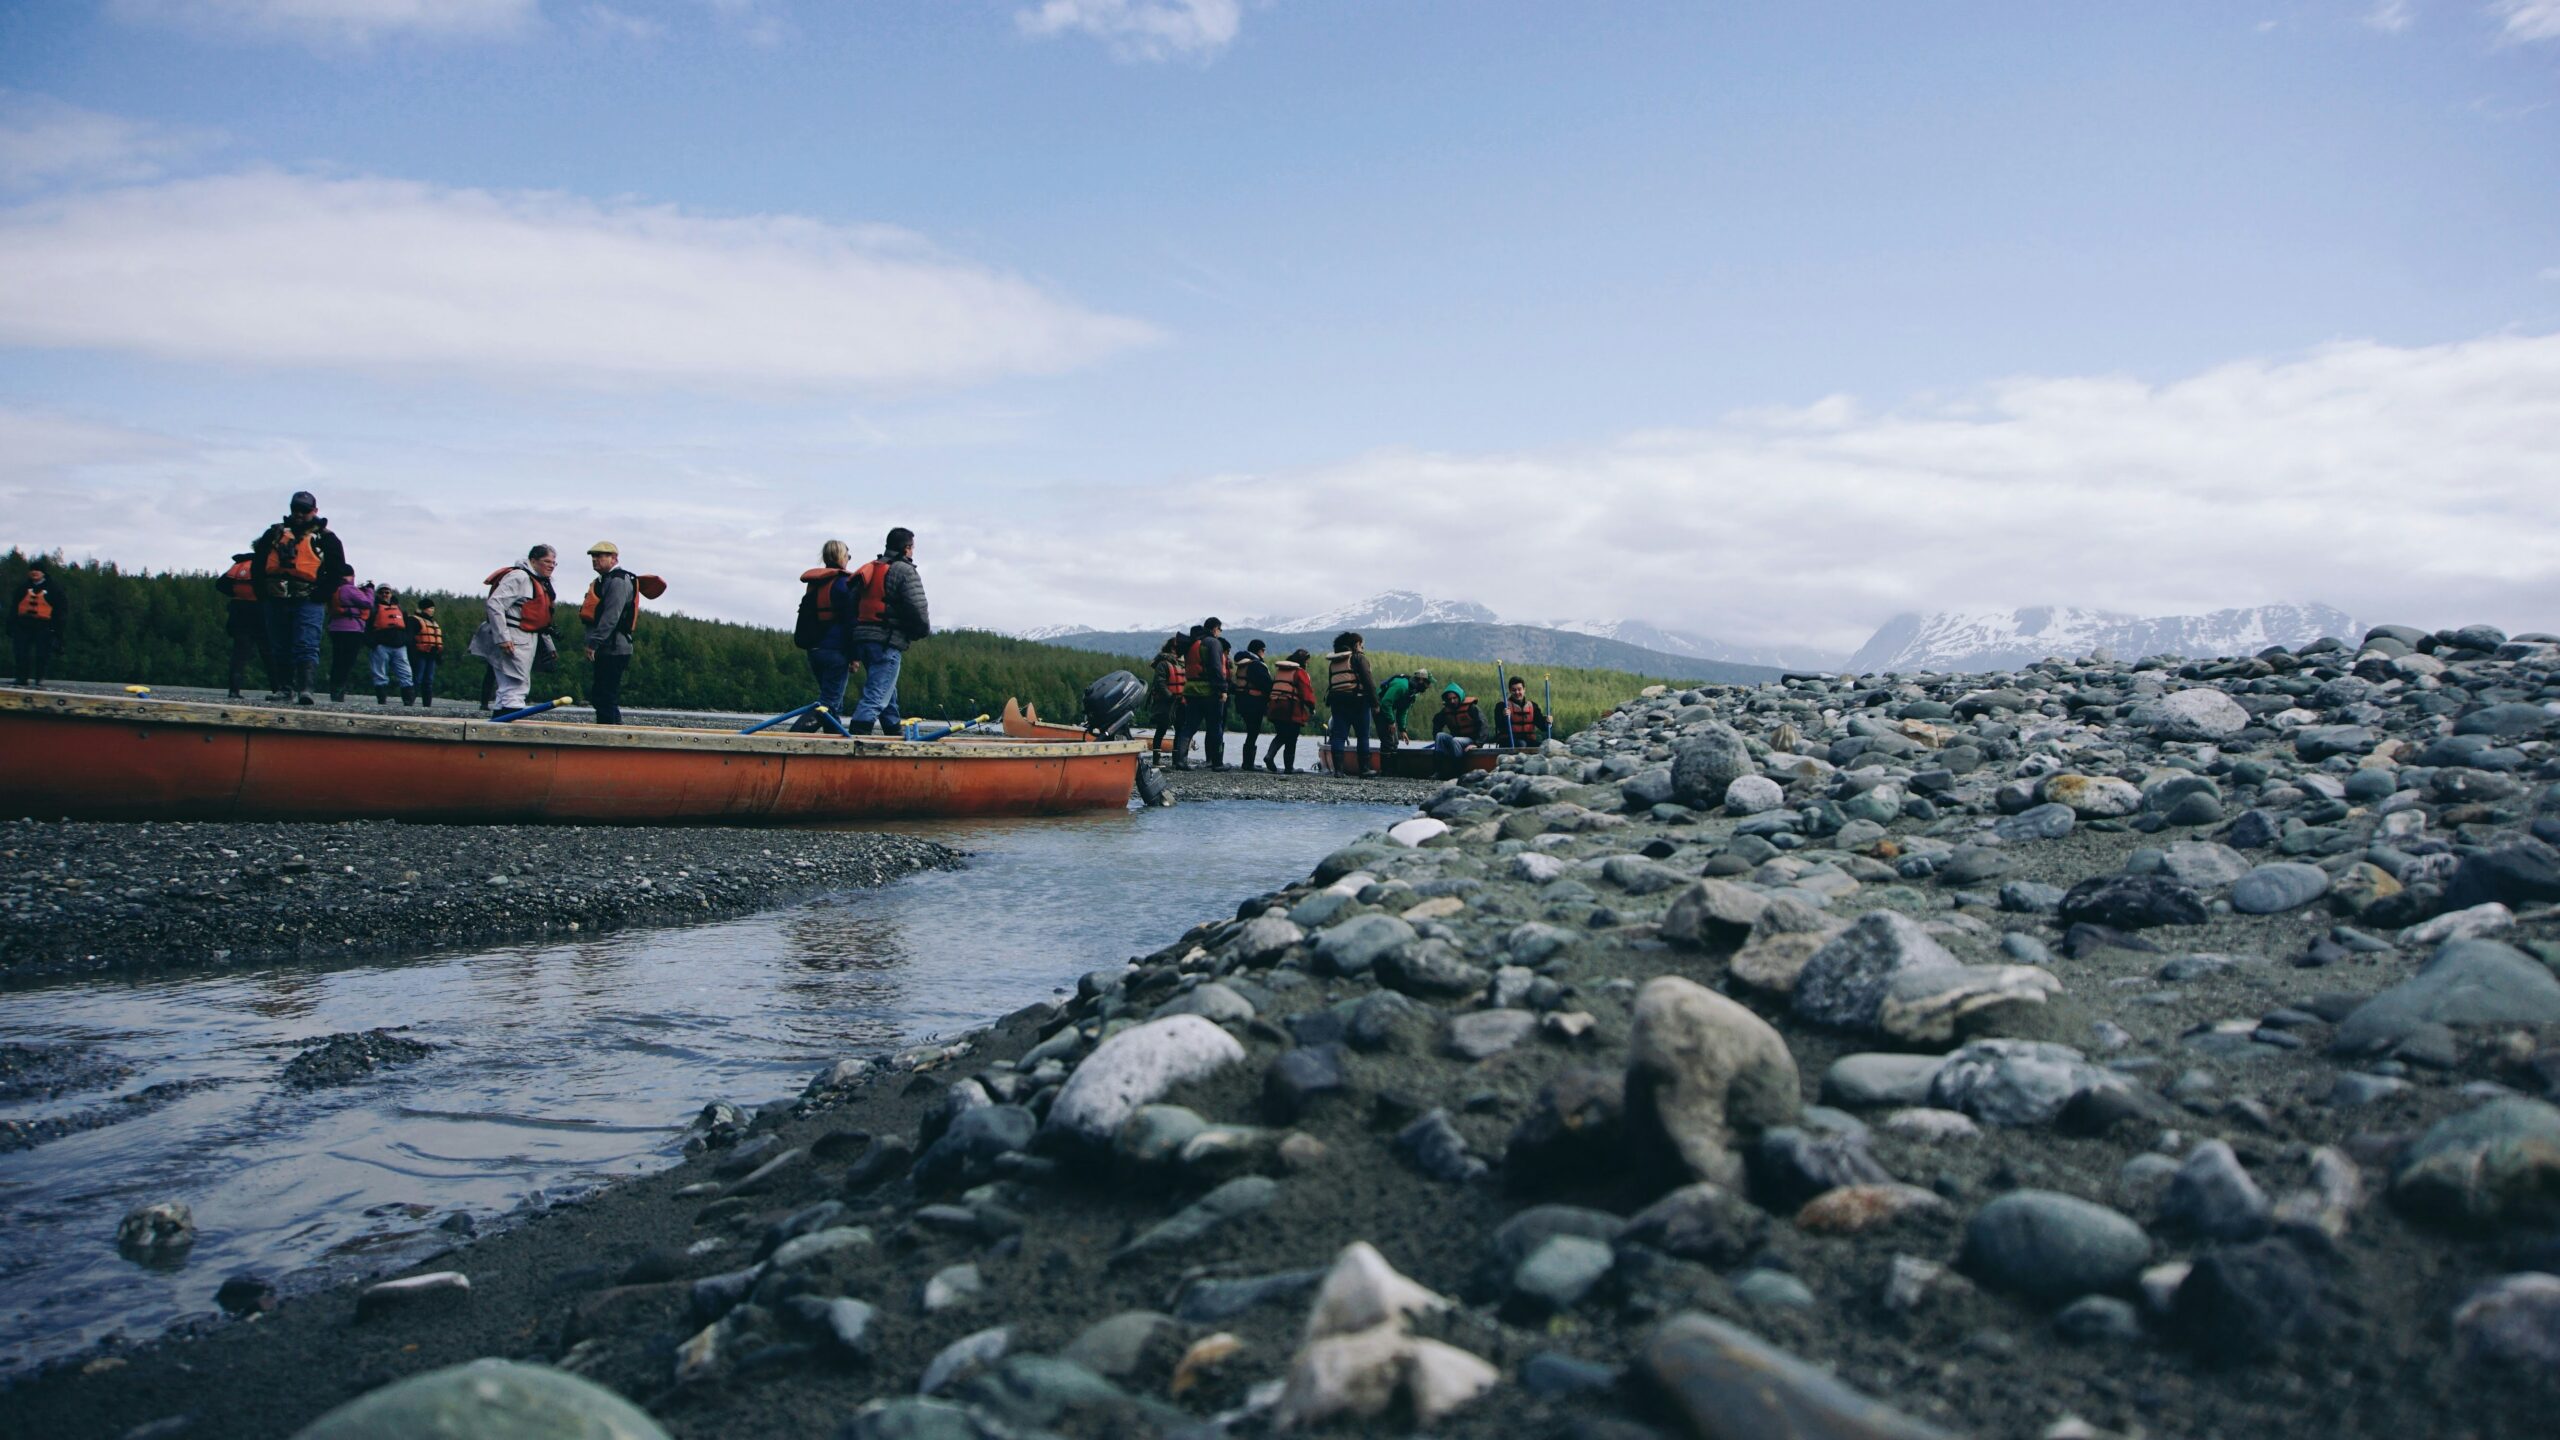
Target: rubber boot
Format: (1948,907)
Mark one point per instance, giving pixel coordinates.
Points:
(381,694)
(408,694)
(306,673)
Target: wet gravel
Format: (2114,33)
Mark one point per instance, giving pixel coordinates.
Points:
(84,898)
(1304,787)
(346,1058)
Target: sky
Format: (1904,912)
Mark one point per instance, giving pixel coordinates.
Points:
(1763,322)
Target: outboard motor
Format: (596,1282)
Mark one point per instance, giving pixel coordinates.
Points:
(1112,702)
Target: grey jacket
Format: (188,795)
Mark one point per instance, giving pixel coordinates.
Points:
(907,621)
(610,634)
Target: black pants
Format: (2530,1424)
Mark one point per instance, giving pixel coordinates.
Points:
(1284,743)
(34,649)
(1251,709)
(247,646)
(1206,717)
(608,696)
(344,647)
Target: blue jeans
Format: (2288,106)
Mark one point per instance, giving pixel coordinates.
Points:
(879,685)
(391,663)
(1349,719)
(423,668)
(293,632)
(1449,755)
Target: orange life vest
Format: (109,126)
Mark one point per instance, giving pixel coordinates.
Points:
(587,608)
(295,555)
(35,605)
(1464,720)
(387,616)
(430,637)
(238,583)
(871,593)
(1521,719)
(1175,676)
(535,613)
(1200,667)
(1293,696)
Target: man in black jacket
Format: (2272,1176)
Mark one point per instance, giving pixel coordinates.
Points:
(296,560)
(888,616)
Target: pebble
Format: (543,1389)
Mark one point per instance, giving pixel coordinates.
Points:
(1702,1071)
(489,1400)
(2052,1247)
(1136,1067)
(1725,1383)
(2274,889)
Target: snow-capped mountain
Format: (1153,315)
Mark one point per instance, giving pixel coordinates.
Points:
(2005,640)
(1681,642)
(1380,611)
(1052,632)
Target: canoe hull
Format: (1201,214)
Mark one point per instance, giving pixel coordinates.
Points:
(88,758)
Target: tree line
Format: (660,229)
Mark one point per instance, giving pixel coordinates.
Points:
(167,628)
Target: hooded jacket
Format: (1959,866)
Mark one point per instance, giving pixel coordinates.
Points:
(333,556)
(1459,717)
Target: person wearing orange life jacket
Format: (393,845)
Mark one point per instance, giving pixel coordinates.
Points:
(245,621)
(1458,725)
(386,630)
(1520,722)
(820,629)
(1164,689)
(1293,704)
(889,615)
(517,622)
(612,613)
(35,623)
(1208,678)
(1351,693)
(426,650)
(294,559)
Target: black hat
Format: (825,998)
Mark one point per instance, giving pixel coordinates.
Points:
(305,500)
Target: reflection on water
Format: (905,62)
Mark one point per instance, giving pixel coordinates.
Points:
(558,1065)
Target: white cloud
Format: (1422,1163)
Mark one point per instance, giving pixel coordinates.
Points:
(1141,29)
(2389,16)
(43,141)
(2528,19)
(2398,483)
(607,20)
(338,22)
(279,269)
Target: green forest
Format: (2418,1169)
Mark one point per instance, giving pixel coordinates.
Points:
(137,628)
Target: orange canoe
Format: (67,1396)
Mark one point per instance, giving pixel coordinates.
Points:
(90,757)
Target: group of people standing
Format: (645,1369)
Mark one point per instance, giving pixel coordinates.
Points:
(1198,676)
(864,615)
(291,595)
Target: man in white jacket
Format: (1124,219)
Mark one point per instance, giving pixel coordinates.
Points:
(519,611)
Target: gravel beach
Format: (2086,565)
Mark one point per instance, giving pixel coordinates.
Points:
(2104,1049)
(81,898)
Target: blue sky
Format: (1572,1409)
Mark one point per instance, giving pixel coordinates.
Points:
(1765,321)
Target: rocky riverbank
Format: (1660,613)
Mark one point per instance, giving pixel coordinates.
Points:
(88,898)
(2103,1049)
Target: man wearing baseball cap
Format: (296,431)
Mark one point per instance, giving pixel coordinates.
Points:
(611,612)
(295,564)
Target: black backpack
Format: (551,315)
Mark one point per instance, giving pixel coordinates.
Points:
(809,628)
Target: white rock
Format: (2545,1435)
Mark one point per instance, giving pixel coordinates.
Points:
(1136,1067)
(1417,830)
(2200,714)
(1753,794)
(1363,1291)
(2460,925)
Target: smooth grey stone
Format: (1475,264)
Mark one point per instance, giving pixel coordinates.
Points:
(2242,1302)
(1773,1290)
(1195,1222)
(1880,1079)
(2049,821)
(2213,1197)
(1483,1034)
(2274,889)
(489,1400)
(1207,1302)
(1136,1067)
(1725,1383)
(1353,946)
(2051,1247)
(2494,1164)
(2098,1320)
(1844,984)
(1558,1274)
(2468,982)
(2513,1321)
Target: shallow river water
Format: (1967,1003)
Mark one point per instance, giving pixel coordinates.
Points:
(558,1065)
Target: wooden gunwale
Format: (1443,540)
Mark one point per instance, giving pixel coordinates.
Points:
(92,756)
